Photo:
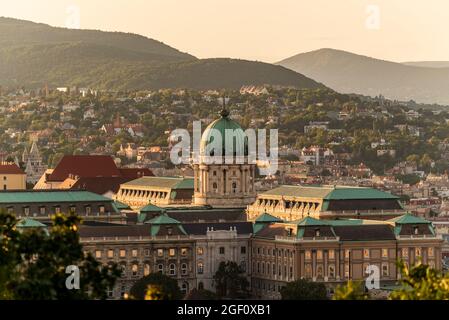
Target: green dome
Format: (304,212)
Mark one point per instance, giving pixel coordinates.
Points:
(239,141)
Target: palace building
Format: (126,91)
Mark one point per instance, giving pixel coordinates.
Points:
(335,251)
(326,202)
(161,191)
(41,205)
(224,185)
(214,185)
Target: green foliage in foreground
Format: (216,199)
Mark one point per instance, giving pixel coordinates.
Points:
(230,281)
(419,282)
(351,291)
(422,283)
(304,290)
(33,262)
(156,286)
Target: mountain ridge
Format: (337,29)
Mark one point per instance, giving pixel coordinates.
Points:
(34,54)
(348,72)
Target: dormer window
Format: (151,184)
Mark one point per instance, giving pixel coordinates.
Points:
(169,231)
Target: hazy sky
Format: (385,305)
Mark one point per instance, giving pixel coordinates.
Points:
(266,30)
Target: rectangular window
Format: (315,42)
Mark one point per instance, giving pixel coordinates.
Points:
(172,252)
(42,211)
(101,209)
(160,252)
(347,253)
(331,254)
(222,250)
(331,273)
(110,253)
(147,252)
(134,253)
(417,252)
(308,255)
(405,252)
(72,210)
(26,211)
(347,271)
(366,253)
(184,251)
(57,210)
(384,253)
(385,270)
(319,254)
(122,253)
(199,251)
(98,254)
(242,250)
(430,252)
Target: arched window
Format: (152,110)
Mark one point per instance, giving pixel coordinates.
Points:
(184,288)
(184,268)
(172,269)
(200,268)
(146,269)
(135,269)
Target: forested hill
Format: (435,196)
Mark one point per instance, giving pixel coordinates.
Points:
(34,54)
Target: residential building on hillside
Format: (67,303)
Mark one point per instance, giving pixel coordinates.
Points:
(12,177)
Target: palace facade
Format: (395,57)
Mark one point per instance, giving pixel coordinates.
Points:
(291,203)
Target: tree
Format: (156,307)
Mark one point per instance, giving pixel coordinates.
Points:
(33,262)
(351,291)
(201,294)
(421,282)
(304,290)
(229,280)
(156,286)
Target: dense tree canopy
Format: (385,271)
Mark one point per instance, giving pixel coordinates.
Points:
(33,262)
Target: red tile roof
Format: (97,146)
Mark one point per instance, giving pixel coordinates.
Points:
(100,185)
(10,169)
(134,173)
(84,166)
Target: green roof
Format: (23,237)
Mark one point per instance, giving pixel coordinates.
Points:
(221,125)
(162,182)
(265,217)
(330,192)
(309,221)
(355,193)
(151,208)
(162,219)
(10,197)
(121,205)
(30,223)
(409,219)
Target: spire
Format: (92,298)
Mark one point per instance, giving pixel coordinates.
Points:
(224,113)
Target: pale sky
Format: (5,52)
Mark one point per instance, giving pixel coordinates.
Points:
(265,30)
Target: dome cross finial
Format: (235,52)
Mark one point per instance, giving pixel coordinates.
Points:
(224,113)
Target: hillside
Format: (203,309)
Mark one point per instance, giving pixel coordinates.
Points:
(429,64)
(351,73)
(33,55)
